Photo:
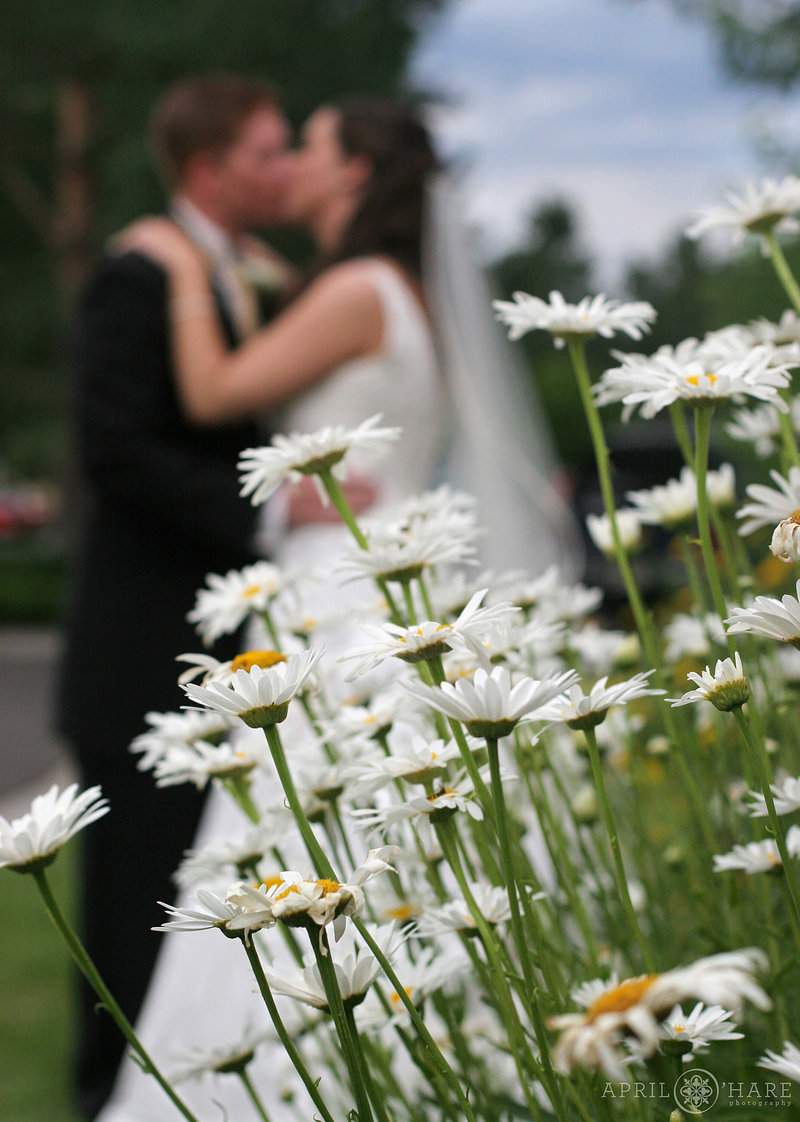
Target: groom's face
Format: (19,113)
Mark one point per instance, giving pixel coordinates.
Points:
(252,174)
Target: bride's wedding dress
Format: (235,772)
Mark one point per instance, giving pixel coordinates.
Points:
(203,993)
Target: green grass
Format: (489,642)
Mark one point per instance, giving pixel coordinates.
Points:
(36,999)
(32,581)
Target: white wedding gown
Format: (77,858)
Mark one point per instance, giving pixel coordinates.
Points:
(203,993)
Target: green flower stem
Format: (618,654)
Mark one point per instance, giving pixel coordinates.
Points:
(314,849)
(253,1094)
(790,455)
(92,975)
(421,1061)
(432,1050)
(578,356)
(426,596)
(238,787)
(702,438)
(434,668)
(311,1085)
(351,1048)
(781,265)
(613,839)
(336,495)
(375,1098)
(510,880)
(764,771)
(728,555)
(560,855)
(699,590)
(681,429)
(408,600)
(524,1060)
(272,630)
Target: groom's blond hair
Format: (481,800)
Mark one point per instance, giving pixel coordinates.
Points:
(204,113)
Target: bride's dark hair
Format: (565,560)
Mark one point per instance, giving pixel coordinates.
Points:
(389,218)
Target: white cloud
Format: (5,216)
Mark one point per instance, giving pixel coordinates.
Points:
(617,107)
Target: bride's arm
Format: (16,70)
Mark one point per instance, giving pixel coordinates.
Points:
(337,318)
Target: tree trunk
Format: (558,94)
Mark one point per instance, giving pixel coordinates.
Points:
(74,225)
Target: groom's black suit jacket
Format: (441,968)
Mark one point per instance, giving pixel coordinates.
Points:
(158,509)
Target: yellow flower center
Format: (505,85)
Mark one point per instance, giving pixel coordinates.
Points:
(272,882)
(678,1028)
(402,912)
(395,997)
(264,659)
(327,887)
(621,997)
(252,591)
(694,379)
(438,794)
(794,518)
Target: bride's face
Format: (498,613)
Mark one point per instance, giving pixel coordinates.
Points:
(321,174)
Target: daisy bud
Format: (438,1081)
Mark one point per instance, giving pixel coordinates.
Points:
(584,805)
(785,542)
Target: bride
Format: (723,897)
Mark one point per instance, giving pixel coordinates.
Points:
(395,320)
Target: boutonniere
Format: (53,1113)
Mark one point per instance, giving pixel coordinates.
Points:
(264,274)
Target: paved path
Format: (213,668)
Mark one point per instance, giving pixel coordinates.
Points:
(31,756)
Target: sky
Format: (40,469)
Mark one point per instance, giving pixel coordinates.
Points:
(618,106)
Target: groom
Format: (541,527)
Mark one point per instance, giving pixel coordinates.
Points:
(159,510)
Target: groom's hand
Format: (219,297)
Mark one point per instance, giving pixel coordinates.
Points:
(305,505)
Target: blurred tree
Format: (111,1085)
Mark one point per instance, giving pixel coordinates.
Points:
(77,82)
(758,40)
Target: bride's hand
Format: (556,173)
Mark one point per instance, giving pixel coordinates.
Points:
(161,240)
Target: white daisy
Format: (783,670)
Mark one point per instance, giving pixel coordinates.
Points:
(221,862)
(170,729)
(760,428)
(769,504)
(727,688)
(423,641)
(654,383)
(489,705)
(634,1007)
(592,316)
(421,977)
(599,649)
(33,841)
(210,911)
(200,762)
(581,711)
(291,457)
(760,209)
(221,1060)
(769,618)
(786,797)
(400,559)
(492,904)
(690,635)
(299,902)
(704,1025)
(629,528)
(421,762)
(446,800)
(356,969)
(785,543)
(552,599)
(787,1063)
(672,504)
(757,857)
(257,696)
(228,600)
